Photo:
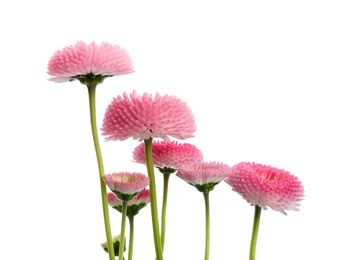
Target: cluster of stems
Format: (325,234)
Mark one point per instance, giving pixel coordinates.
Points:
(158,237)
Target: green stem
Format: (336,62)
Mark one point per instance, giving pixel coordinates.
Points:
(123,229)
(153,198)
(207,219)
(164,206)
(131,237)
(255,231)
(92,104)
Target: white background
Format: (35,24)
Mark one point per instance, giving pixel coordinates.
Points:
(268,81)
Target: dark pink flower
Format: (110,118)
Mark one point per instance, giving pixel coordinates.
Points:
(133,206)
(113,201)
(204,175)
(126,183)
(169,154)
(266,186)
(143,197)
(83,61)
(144,117)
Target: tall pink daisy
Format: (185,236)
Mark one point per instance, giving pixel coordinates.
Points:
(89,63)
(144,117)
(169,155)
(265,186)
(204,176)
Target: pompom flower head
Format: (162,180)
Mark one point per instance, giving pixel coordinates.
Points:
(169,156)
(205,175)
(144,117)
(126,185)
(89,64)
(266,186)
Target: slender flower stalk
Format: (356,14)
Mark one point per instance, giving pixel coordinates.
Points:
(153,199)
(92,102)
(166,176)
(123,228)
(204,177)
(255,231)
(207,225)
(131,237)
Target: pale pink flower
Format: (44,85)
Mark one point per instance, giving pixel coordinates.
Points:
(204,174)
(144,117)
(266,186)
(126,183)
(89,61)
(169,154)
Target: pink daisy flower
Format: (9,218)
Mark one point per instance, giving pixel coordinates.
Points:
(170,155)
(143,197)
(126,185)
(89,63)
(113,201)
(204,175)
(266,186)
(134,205)
(144,117)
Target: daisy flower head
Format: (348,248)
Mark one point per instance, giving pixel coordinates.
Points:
(134,205)
(169,155)
(116,243)
(113,201)
(204,175)
(143,197)
(89,64)
(125,184)
(266,186)
(144,117)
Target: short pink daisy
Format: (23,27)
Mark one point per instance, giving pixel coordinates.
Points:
(113,201)
(125,184)
(134,205)
(266,186)
(142,197)
(89,62)
(204,175)
(144,117)
(169,154)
